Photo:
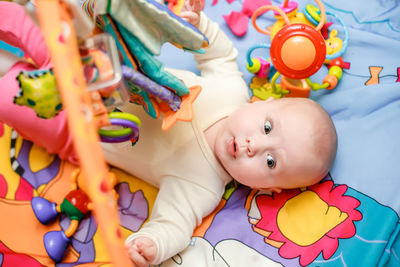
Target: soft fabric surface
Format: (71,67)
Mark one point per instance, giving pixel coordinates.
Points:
(349,219)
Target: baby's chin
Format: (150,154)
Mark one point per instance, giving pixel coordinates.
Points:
(246,180)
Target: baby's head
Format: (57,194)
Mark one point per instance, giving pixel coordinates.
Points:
(277,144)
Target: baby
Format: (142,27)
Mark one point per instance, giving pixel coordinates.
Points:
(270,145)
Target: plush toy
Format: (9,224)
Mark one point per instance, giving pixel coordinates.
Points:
(47,129)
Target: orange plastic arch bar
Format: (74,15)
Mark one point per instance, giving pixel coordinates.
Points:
(262,10)
(59,33)
(323,15)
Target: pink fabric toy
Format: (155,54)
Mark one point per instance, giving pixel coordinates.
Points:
(17,29)
(238,22)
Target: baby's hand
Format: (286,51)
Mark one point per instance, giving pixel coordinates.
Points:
(142,251)
(191,12)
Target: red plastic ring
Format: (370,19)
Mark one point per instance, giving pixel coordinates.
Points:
(298,51)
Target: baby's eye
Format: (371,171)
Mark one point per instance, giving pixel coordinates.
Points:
(270,161)
(267,127)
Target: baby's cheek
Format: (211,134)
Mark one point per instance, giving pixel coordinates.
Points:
(246,173)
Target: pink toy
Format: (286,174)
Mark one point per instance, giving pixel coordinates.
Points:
(265,67)
(287,7)
(20,31)
(238,22)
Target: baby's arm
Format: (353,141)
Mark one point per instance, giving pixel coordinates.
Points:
(220,56)
(178,209)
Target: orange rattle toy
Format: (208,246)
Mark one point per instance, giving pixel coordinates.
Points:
(297,50)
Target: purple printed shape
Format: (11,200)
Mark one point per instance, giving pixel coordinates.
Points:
(133,207)
(44,176)
(232,222)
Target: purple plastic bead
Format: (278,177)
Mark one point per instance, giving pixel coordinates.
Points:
(56,242)
(44,210)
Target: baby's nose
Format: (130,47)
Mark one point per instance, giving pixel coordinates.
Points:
(251,147)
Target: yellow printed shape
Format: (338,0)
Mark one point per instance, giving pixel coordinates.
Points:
(306,218)
(39,159)
(333,44)
(11,177)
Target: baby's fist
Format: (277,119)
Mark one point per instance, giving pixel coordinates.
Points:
(142,251)
(191,12)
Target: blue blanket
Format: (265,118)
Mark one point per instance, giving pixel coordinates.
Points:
(351,218)
(364,180)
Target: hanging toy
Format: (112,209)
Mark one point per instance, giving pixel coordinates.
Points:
(38,91)
(103,72)
(129,131)
(76,205)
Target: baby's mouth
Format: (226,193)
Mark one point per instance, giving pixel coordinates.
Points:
(232,148)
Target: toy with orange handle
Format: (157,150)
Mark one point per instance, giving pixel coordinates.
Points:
(56,23)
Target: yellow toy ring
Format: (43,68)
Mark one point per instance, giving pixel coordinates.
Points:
(125,116)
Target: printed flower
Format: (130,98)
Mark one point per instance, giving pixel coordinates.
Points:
(304,223)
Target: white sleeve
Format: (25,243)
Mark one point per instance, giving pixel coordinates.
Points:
(220,56)
(179,207)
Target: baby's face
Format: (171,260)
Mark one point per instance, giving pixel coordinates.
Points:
(272,144)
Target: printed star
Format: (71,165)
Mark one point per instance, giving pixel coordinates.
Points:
(185,112)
